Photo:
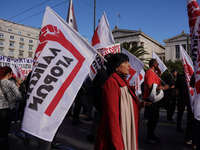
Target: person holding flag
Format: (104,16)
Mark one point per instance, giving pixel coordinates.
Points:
(152,77)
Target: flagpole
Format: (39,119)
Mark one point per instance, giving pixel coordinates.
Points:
(117,21)
(158,77)
(94,14)
(171,74)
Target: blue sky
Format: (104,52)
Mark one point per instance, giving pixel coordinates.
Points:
(157,18)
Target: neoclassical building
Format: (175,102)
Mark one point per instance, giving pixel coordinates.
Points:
(17,41)
(172,46)
(139,38)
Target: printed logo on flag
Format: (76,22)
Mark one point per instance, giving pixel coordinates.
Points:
(189,72)
(53,41)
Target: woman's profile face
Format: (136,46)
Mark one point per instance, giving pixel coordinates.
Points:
(123,68)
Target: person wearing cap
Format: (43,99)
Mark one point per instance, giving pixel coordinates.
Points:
(118,129)
(152,83)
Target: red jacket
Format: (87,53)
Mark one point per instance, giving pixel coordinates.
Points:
(109,134)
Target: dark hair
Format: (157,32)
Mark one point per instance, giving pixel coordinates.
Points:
(114,61)
(152,62)
(107,56)
(4,71)
(174,70)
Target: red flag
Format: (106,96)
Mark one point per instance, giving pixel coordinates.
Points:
(71,16)
(102,37)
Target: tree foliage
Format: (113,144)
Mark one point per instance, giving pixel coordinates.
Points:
(137,51)
(173,65)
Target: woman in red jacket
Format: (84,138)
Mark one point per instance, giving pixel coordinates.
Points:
(119,125)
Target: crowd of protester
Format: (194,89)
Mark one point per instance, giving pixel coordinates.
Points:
(102,95)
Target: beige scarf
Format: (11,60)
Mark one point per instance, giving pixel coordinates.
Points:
(127,120)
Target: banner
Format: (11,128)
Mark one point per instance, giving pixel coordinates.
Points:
(20,67)
(111,49)
(189,70)
(161,64)
(194,24)
(102,36)
(136,67)
(99,62)
(57,75)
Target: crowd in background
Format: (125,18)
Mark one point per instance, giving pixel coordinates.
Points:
(13,93)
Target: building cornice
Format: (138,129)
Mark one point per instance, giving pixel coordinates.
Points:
(134,33)
(176,37)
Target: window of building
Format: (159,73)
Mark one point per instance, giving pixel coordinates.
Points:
(30,54)
(11,44)
(1,42)
(164,59)
(19,32)
(12,37)
(22,39)
(29,34)
(11,52)
(10,30)
(21,53)
(30,47)
(21,46)
(30,41)
(177,52)
(1,35)
(0,28)
(184,46)
(1,50)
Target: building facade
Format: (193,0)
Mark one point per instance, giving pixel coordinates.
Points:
(17,41)
(139,38)
(172,51)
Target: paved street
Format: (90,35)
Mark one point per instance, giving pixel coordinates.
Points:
(74,137)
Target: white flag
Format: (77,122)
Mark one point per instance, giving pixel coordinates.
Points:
(139,82)
(136,67)
(71,16)
(98,63)
(17,71)
(102,37)
(189,70)
(161,64)
(57,76)
(194,24)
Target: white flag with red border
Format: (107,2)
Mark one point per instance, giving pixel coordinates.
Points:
(102,37)
(136,67)
(161,64)
(71,20)
(139,82)
(57,76)
(194,24)
(189,70)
